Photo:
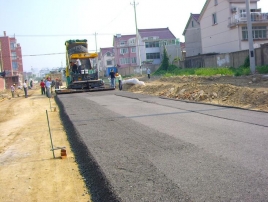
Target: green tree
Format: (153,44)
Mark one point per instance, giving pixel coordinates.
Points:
(165,61)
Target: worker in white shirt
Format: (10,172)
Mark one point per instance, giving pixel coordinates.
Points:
(79,65)
(25,88)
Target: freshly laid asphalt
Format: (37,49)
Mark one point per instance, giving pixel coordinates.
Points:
(133,147)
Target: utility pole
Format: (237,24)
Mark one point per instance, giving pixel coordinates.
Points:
(1,69)
(97,58)
(137,38)
(250,40)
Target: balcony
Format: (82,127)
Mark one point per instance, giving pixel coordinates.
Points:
(241,19)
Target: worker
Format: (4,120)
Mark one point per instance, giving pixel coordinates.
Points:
(42,84)
(149,73)
(74,67)
(13,90)
(48,87)
(25,88)
(119,78)
(112,75)
(79,65)
(57,84)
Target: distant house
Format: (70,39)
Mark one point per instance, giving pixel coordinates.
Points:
(106,58)
(192,34)
(152,43)
(125,50)
(148,50)
(223,26)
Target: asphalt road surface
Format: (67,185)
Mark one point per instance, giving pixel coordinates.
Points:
(133,147)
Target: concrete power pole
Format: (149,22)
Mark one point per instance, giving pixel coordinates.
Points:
(1,63)
(97,58)
(137,38)
(250,40)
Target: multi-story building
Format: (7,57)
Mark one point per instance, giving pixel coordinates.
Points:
(152,43)
(148,50)
(223,25)
(125,50)
(192,34)
(11,60)
(106,60)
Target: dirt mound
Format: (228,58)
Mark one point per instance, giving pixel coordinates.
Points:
(250,92)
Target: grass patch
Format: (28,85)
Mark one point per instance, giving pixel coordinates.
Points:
(210,71)
(262,69)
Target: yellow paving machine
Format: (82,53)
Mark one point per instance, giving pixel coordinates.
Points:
(85,76)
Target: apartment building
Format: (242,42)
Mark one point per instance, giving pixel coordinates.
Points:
(152,43)
(11,60)
(128,52)
(223,25)
(125,51)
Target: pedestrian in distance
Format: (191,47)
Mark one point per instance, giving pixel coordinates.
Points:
(112,75)
(13,90)
(43,90)
(119,77)
(149,73)
(25,88)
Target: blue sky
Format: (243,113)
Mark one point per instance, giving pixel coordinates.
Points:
(42,26)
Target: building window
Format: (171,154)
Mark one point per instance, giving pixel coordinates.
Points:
(258,32)
(171,42)
(13,46)
(215,2)
(122,43)
(108,54)
(15,66)
(123,50)
(152,56)
(192,23)
(214,19)
(133,60)
(132,41)
(152,44)
(109,62)
(243,13)
(124,61)
(133,50)
(14,55)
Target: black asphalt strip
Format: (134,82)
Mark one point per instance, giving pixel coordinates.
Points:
(95,180)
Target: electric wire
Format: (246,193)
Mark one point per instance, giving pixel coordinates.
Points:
(120,13)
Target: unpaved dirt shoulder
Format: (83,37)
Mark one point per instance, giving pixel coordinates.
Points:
(249,92)
(28,170)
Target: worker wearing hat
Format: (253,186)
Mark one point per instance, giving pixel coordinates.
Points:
(119,78)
